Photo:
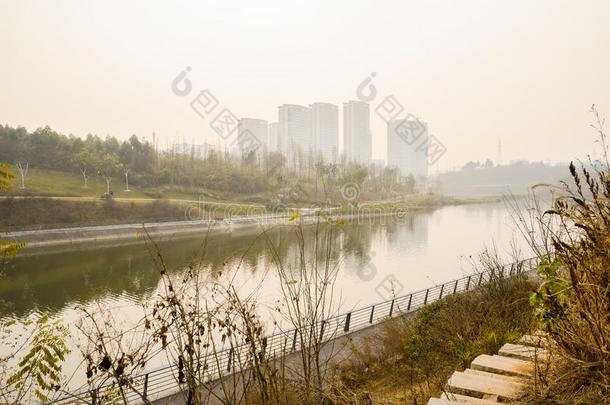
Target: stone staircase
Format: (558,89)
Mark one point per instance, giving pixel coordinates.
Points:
(497,378)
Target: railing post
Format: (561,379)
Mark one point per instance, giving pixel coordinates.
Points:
(322,330)
(391,308)
(372,312)
(145,393)
(468,283)
(409,306)
(347,319)
(294,340)
(229,360)
(455,286)
(440,296)
(426,297)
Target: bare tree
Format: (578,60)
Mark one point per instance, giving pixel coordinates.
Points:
(23,171)
(309,302)
(113,355)
(126,172)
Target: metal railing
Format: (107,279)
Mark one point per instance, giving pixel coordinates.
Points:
(163,381)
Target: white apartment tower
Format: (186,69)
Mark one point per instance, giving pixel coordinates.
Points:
(294,132)
(325,131)
(272,138)
(258,128)
(357,142)
(403,155)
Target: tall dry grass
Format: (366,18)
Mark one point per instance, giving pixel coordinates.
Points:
(573,303)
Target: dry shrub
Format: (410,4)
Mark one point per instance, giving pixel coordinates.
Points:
(574,301)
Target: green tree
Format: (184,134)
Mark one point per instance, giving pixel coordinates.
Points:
(410,183)
(108,166)
(84,160)
(7,248)
(354,176)
(6,176)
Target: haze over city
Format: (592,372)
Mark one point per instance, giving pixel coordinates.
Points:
(523,73)
(310,202)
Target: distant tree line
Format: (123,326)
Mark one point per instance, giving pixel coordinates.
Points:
(487,178)
(138,163)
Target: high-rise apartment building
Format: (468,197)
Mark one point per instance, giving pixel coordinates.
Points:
(294,132)
(402,154)
(357,140)
(273,138)
(325,131)
(258,128)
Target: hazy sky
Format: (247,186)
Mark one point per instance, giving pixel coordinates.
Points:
(525,72)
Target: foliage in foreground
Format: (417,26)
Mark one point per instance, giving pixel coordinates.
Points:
(573,303)
(39,371)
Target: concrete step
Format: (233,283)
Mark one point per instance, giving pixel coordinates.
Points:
(479,385)
(503,365)
(523,352)
(464,399)
(499,377)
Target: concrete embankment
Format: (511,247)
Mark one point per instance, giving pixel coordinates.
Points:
(126,232)
(135,232)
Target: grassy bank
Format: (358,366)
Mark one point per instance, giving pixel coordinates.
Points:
(41,213)
(53,199)
(411,358)
(409,203)
(53,183)
(425,201)
(47,213)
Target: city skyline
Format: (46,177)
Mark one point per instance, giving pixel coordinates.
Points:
(313,131)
